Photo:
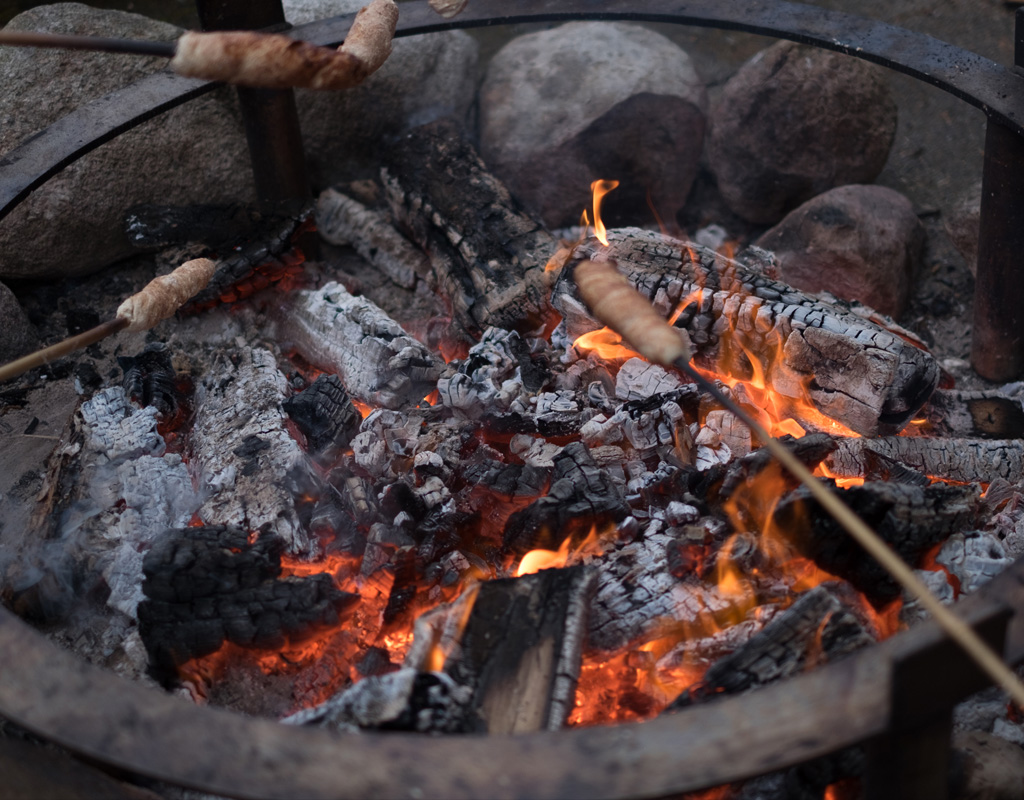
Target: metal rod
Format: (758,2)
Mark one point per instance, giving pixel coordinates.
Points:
(70,42)
(997,340)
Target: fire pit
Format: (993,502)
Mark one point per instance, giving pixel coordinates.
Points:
(878,692)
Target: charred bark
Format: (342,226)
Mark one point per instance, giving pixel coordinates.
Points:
(851,369)
(814,630)
(325,415)
(963,460)
(487,254)
(911,519)
(520,651)
(206,586)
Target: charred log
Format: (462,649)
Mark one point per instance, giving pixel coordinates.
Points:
(581,495)
(487,254)
(377,361)
(851,369)
(520,651)
(342,220)
(814,630)
(325,415)
(149,378)
(243,454)
(985,414)
(150,226)
(911,519)
(206,586)
(963,460)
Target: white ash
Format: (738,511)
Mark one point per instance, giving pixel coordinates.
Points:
(654,428)
(912,612)
(488,379)
(378,362)
(433,492)
(974,558)
(711,236)
(678,514)
(638,379)
(534,451)
(244,458)
(115,429)
(730,432)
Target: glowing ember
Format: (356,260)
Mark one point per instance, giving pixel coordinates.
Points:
(605,343)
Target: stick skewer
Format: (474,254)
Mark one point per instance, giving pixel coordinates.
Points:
(615,302)
(250,58)
(160,299)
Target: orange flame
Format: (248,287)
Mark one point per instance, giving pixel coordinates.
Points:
(607,344)
(600,189)
(567,553)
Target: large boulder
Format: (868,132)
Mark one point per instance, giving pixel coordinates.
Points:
(795,121)
(73,224)
(858,242)
(593,100)
(17,335)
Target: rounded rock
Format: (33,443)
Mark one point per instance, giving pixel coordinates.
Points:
(587,101)
(795,121)
(858,242)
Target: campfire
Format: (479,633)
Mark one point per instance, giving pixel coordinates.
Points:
(474,507)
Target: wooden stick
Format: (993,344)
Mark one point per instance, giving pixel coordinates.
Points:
(158,300)
(250,58)
(623,314)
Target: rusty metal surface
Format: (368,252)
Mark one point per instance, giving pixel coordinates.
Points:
(977,80)
(129,726)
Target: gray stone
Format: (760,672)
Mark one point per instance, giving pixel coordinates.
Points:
(857,242)
(17,335)
(425,78)
(593,100)
(793,122)
(987,768)
(73,224)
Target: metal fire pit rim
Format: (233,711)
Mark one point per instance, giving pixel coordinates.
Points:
(133,727)
(995,89)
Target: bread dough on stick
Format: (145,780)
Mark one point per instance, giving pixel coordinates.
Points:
(275,61)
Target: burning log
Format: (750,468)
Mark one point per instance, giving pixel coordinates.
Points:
(377,361)
(520,651)
(910,519)
(342,220)
(210,585)
(963,460)
(242,451)
(847,367)
(816,629)
(487,255)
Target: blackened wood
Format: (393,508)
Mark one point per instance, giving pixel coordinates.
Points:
(210,585)
(911,519)
(488,255)
(325,415)
(580,496)
(962,460)
(814,630)
(851,369)
(986,414)
(149,378)
(520,651)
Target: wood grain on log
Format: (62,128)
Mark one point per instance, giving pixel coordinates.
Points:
(849,368)
(487,253)
(520,651)
(963,460)
(377,361)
